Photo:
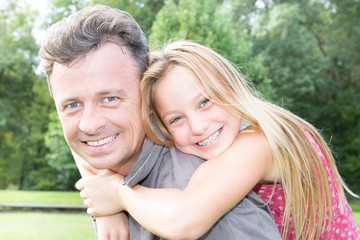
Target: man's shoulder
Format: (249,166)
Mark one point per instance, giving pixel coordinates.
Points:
(171,169)
(167,165)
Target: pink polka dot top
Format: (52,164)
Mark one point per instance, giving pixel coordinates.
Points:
(343,225)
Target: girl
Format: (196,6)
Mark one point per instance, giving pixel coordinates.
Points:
(198,100)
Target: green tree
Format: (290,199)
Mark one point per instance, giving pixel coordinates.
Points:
(59,156)
(23,111)
(342,47)
(310,54)
(143,11)
(210,22)
(292,57)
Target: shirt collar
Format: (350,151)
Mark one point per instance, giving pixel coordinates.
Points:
(143,166)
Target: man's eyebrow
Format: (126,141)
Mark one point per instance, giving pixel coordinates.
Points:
(112,91)
(119,92)
(68,100)
(65,101)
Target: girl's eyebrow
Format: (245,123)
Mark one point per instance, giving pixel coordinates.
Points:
(194,98)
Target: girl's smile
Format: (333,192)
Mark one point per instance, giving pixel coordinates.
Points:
(211,139)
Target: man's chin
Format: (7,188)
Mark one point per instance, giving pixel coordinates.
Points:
(101,165)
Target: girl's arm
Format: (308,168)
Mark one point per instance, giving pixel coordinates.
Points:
(115,227)
(215,187)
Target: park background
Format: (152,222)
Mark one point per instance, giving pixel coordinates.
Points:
(302,55)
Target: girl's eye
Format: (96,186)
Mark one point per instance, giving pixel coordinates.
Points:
(109,99)
(175,120)
(73,105)
(204,102)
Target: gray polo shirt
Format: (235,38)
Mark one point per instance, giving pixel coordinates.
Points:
(163,167)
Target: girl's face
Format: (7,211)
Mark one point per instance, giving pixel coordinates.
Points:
(198,126)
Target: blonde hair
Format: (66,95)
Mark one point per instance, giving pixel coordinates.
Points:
(297,162)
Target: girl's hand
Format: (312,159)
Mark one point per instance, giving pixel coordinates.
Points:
(115,227)
(84,168)
(101,193)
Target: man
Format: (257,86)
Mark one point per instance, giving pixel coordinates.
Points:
(94,61)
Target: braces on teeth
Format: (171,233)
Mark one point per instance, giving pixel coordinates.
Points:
(210,140)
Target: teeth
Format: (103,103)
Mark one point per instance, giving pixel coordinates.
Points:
(102,141)
(210,139)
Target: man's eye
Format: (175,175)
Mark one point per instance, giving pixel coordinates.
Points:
(110,99)
(204,102)
(175,120)
(73,105)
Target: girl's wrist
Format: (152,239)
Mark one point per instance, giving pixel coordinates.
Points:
(122,191)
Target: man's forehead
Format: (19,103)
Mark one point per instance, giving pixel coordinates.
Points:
(69,82)
(108,62)
(108,54)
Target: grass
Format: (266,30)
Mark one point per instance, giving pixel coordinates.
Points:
(40,225)
(59,226)
(38,197)
(355,207)
(357,218)
(44,226)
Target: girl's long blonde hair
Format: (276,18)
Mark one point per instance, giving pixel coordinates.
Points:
(301,170)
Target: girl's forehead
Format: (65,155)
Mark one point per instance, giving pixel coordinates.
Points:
(182,78)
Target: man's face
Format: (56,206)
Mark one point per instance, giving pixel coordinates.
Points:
(98,102)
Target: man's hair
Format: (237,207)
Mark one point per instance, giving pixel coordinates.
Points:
(73,37)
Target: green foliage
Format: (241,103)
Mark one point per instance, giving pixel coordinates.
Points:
(143,11)
(63,8)
(206,22)
(285,43)
(346,134)
(209,22)
(59,156)
(21,99)
(310,52)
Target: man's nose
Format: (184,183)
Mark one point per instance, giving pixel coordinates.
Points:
(198,125)
(92,120)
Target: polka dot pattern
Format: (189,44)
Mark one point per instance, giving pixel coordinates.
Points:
(343,226)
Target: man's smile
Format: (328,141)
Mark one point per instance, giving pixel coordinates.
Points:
(102,141)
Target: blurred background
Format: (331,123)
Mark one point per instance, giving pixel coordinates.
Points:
(302,55)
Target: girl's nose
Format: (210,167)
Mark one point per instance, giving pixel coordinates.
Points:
(198,125)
